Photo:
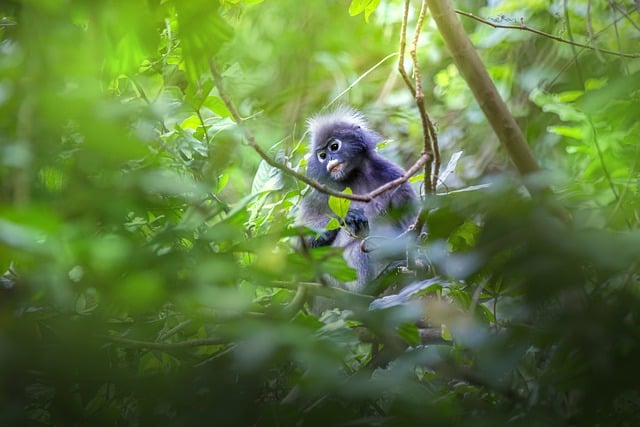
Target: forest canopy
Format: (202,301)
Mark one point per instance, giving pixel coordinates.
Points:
(152,165)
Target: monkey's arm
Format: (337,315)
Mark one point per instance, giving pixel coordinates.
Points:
(356,223)
(403,207)
(325,239)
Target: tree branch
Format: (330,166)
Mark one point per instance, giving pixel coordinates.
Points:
(430,139)
(473,71)
(432,168)
(312,183)
(524,27)
(427,335)
(403,46)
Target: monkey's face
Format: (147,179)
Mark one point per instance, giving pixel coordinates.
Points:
(338,157)
(340,145)
(331,157)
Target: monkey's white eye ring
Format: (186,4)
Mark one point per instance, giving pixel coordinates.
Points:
(322,155)
(335,145)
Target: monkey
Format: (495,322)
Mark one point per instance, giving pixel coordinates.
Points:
(343,155)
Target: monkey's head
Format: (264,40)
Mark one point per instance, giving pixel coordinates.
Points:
(340,142)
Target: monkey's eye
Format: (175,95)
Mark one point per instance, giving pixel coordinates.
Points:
(322,155)
(335,145)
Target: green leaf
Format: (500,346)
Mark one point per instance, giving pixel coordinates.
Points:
(328,260)
(566,112)
(417,178)
(446,333)
(267,178)
(202,33)
(570,131)
(216,105)
(339,205)
(367,6)
(570,96)
(333,224)
(337,267)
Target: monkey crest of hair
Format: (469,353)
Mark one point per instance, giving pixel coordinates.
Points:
(342,115)
(342,148)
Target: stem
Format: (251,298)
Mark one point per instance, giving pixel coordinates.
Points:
(475,74)
(272,162)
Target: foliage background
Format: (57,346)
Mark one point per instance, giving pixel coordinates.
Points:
(149,276)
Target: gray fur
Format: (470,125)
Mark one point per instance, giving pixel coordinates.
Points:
(364,171)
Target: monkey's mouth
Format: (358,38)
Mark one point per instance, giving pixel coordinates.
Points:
(335,169)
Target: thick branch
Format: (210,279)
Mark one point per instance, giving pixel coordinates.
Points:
(320,187)
(474,72)
(427,335)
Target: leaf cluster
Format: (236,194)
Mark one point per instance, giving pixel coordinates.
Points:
(147,260)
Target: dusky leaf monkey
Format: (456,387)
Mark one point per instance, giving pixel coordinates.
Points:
(343,155)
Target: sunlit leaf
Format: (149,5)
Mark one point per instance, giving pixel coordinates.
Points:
(575,132)
(367,6)
(333,224)
(267,178)
(339,205)
(217,106)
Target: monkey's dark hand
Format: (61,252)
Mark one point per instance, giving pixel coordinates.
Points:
(325,239)
(357,223)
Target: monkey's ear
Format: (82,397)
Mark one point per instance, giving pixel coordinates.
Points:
(308,156)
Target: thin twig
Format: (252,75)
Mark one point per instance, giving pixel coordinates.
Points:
(432,168)
(204,128)
(163,336)
(414,49)
(626,16)
(590,32)
(613,7)
(272,162)
(365,74)
(594,131)
(524,27)
(431,149)
(419,99)
(403,45)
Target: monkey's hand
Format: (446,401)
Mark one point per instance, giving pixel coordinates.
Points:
(357,223)
(325,239)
